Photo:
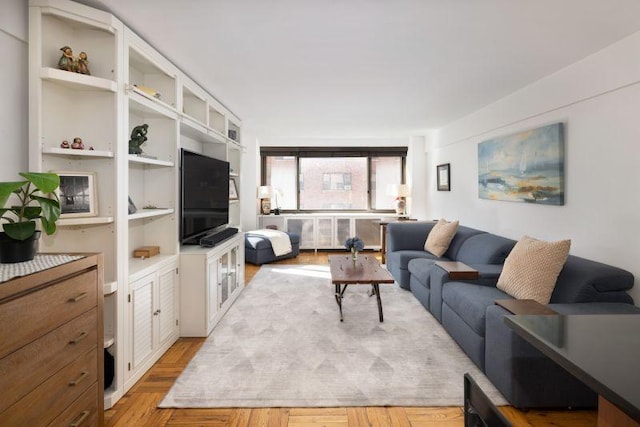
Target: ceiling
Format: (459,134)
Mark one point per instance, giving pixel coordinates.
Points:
(364,68)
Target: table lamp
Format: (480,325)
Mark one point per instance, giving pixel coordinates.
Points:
(264,194)
(401,192)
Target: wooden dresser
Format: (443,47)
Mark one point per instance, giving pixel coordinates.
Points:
(51,346)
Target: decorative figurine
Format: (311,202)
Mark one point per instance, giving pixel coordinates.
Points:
(66,61)
(77,144)
(83,64)
(65,144)
(138,137)
(91,148)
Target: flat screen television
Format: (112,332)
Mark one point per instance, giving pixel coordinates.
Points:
(204,196)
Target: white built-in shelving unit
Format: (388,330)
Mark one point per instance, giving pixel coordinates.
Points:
(142,310)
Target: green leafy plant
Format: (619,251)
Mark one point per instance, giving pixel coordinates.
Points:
(36,200)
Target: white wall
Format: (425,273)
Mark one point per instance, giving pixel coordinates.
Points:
(14,138)
(598,99)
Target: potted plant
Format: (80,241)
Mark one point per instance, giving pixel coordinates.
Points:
(36,199)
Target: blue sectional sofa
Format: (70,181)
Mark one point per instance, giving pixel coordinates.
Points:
(467,311)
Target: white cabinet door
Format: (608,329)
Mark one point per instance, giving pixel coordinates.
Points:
(167,304)
(223,283)
(234,268)
(142,309)
(324,233)
(212,292)
(304,227)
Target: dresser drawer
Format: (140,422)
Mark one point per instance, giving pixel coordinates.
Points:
(46,402)
(33,315)
(82,413)
(22,370)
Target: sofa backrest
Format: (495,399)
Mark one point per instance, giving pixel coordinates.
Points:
(583,280)
(408,235)
(458,240)
(485,248)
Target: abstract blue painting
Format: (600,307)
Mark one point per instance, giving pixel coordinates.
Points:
(526,166)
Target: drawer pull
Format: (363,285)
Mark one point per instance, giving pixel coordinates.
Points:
(78,298)
(77,381)
(80,337)
(83,416)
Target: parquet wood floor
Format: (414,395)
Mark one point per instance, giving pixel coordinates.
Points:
(138,406)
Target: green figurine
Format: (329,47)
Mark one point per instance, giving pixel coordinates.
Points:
(138,137)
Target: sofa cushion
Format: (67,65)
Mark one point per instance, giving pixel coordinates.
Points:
(420,268)
(485,248)
(461,236)
(531,269)
(470,302)
(440,237)
(402,258)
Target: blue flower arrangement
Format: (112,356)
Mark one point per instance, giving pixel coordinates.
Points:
(354,244)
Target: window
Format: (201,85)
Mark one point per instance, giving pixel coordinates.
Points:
(332,178)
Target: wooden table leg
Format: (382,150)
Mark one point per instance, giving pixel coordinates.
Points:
(339,294)
(376,289)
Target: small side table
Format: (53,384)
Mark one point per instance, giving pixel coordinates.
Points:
(524,306)
(458,270)
(383,234)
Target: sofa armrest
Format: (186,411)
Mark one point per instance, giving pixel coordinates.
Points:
(410,235)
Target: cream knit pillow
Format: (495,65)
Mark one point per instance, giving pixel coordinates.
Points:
(532,268)
(440,237)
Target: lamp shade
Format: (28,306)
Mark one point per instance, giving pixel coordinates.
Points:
(398,190)
(264,192)
(403,190)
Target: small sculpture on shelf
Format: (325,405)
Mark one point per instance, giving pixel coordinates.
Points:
(83,64)
(138,137)
(66,61)
(77,144)
(65,144)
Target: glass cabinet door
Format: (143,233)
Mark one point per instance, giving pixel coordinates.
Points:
(233,270)
(224,279)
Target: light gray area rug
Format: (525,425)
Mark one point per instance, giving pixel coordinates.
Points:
(282,345)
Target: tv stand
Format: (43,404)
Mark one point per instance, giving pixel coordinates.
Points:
(210,240)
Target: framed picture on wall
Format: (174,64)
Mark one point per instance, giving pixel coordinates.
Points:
(77,193)
(444,177)
(233,189)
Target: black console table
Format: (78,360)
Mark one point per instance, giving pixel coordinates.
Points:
(602,351)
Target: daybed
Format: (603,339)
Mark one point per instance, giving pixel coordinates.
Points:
(258,250)
(468,313)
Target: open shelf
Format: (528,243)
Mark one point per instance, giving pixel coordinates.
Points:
(149,213)
(108,341)
(193,106)
(77,81)
(148,106)
(90,220)
(148,161)
(139,267)
(110,287)
(77,153)
(199,133)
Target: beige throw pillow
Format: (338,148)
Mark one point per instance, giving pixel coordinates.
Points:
(532,268)
(440,237)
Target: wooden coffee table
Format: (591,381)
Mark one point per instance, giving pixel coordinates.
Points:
(366,270)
